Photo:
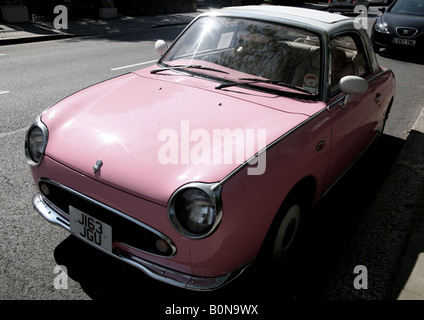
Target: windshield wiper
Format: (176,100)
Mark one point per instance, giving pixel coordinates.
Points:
(190,66)
(256,80)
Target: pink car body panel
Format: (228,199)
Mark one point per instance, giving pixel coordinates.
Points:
(120,113)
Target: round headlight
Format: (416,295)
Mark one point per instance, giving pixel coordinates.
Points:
(195,210)
(381,26)
(35,143)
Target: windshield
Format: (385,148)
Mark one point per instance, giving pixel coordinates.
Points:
(415,7)
(245,49)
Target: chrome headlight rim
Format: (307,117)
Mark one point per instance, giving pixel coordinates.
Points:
(212,191)
(38,124)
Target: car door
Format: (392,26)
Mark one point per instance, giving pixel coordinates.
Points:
(356,123)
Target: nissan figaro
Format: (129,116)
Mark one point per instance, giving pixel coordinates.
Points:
(194,168)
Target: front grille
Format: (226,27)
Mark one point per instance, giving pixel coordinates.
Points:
(123,230)
(406,32)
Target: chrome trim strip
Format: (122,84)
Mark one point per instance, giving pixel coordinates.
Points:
(152,270)
(122,215)
(379,74)
(272,144)
(337,101)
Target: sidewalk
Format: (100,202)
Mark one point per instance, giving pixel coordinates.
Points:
(409,284)
(43,31)
(395,268)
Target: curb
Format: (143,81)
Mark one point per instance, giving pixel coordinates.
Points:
(61,36)
(22,40)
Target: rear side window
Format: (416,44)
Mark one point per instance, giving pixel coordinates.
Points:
(347,57)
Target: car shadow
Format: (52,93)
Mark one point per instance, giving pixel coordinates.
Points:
(336,219)
(103,277)
(324,240)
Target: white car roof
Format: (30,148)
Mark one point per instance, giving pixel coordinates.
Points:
(315,18)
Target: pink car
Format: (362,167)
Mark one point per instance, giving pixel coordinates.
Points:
(194,168)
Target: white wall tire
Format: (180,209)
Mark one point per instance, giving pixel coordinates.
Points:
(286,233)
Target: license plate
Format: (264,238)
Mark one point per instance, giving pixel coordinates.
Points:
(404,41)
(90,229)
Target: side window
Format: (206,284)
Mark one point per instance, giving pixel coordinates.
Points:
(347,56)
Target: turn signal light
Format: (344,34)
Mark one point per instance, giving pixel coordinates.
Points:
(162,245)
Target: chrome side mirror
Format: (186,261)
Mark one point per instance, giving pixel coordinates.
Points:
(352,85)
(161,47)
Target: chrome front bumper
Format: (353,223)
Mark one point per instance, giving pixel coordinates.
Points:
(154,271)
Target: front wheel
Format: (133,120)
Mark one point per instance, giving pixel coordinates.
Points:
(286,233)
(281,237)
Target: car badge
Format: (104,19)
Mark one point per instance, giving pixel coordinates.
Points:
(405,32)
(98,165)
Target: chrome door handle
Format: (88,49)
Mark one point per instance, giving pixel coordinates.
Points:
(378,97)
(321,145)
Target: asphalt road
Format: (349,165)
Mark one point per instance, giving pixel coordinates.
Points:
(34,76)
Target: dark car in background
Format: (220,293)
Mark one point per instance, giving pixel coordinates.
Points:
(400,26)
(345,6)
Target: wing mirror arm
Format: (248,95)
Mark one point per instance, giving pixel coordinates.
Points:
(352,85)
(344,102)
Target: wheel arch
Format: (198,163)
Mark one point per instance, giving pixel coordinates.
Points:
(306,190)
(305,193)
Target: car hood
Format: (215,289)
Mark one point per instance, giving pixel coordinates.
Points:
(155,133)
(395,20)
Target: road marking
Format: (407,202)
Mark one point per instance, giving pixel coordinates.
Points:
(2,54)
(419,123)
(4,92)
(6,134)
(133,65)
